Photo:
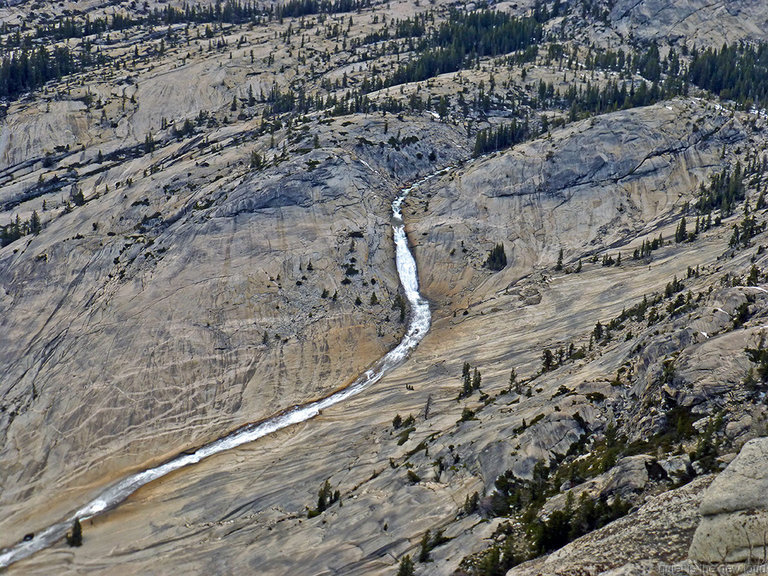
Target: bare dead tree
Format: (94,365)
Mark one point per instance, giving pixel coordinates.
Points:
(427,406)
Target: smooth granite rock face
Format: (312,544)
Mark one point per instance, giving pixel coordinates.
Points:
(734,510)
(588,185)
(184,305)
(699,22)
(222,277)
(150,342)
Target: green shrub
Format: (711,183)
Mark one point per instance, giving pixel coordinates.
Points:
(467,414)
(402,438)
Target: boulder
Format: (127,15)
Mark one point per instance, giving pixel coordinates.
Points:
(734,510)
(629,476)
(677,467)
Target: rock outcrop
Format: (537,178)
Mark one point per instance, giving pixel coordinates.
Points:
(650,541)
(695,22)
(734,511)
(589,186)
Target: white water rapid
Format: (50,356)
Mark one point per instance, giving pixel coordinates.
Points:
(418,326)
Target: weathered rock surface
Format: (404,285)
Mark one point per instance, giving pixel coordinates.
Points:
(591,185)
(136,323)
(190,294)
(651,540)
(630,475)
(699,22)
(238,512)
(734,510)
(182,308)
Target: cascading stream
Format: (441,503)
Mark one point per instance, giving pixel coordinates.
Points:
(418,326)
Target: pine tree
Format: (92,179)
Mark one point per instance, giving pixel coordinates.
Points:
(406,566)
(476,380)
(497,259)
(470,503)
(424,552)
(75,536)
(324,496)
(680,234)
(34,223)
(547,360)
(466,389)
(490,564)
(77,196)
(754,276)
(442,107)
(598,331)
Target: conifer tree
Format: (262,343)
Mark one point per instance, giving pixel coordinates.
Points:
(476,380)
(34,223)
(75,536)
(680,234)
(406,566)
(497,259)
